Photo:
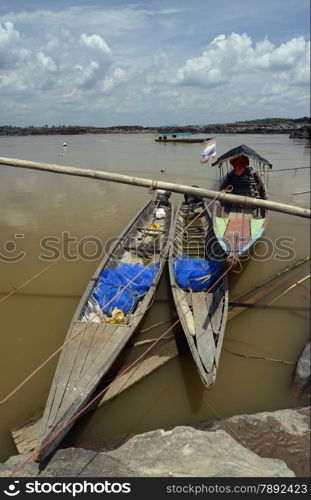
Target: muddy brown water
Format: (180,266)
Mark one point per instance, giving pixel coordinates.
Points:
(36,205)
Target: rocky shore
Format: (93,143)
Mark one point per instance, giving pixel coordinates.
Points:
(269,444)
(299,128)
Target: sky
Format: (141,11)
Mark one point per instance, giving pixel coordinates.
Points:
(152,63)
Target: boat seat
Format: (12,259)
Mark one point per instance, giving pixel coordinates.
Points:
(141,249)
(151,231)
(239,215)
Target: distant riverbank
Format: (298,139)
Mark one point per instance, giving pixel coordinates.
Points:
(295,128)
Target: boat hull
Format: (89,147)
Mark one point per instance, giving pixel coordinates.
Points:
(202,314)
(91,347)
(237,232)
(182,141)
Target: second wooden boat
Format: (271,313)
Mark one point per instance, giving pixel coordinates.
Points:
(106,317)
(202,307)
(238,227)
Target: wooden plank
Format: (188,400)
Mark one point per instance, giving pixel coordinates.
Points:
(204,334)
(221,315)
(80,394)
(61,376)
(161,356)
(26,435)
(184,310)
(94,345)
(76,384)
(67,364)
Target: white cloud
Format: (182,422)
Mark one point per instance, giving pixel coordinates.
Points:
(95,42)
(228,56)
(113,79)
(11,50)
(92,58)
(285,57)
(239,74)
(8,34)
(47,62)
(87,76)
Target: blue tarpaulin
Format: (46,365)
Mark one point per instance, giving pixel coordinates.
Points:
(197,274)
(113,280)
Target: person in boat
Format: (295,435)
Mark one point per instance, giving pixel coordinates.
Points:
(242,178)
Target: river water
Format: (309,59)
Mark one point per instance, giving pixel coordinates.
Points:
(36,205)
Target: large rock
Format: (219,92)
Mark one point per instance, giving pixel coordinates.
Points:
(283,434)
(109,466)
(267,444)
(28,468)
(76,462)
(303,369)
(185,451)
(181,452)
(68,462)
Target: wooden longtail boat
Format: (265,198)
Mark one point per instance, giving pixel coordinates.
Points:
(202,313)
(100,338)
(237,227)
(180,137)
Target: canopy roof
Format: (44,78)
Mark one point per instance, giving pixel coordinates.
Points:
(241,150)
(175,133)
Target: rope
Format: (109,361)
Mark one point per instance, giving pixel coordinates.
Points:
(263,358)
(153,186)
(297,283)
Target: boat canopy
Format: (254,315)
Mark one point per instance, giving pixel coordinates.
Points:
(241,150)
(175,133)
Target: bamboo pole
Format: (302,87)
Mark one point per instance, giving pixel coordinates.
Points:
(284,170)
(152,183)
(301,192)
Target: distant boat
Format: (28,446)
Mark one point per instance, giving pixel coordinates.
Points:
(180,137)
(238,226)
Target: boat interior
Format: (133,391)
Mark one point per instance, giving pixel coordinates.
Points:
(143,244)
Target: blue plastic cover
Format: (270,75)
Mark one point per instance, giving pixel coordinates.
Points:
(113,280)
(197,274)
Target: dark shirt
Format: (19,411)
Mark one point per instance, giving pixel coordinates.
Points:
(240,183)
